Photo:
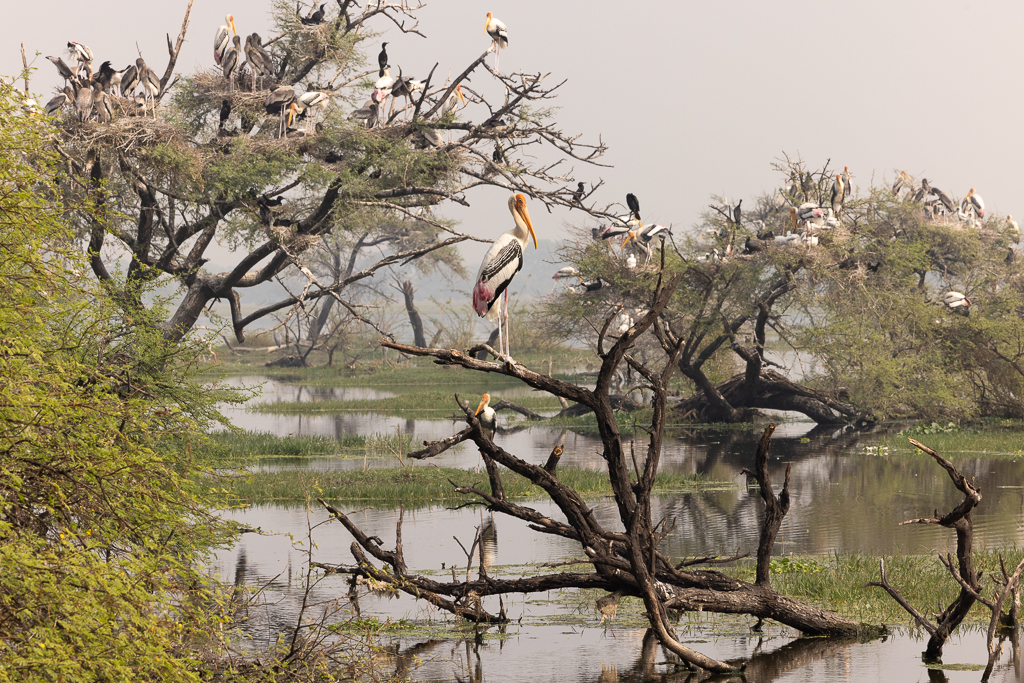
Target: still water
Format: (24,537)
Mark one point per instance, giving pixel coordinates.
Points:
(846,498)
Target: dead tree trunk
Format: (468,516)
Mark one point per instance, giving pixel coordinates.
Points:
(958,519)
(414,316)
(625,562)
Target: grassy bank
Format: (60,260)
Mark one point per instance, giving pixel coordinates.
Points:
(1005,440)
(422,485)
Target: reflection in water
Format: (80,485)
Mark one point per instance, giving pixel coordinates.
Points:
(845,499)
(634,656)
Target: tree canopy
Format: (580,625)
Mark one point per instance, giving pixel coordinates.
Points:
(101,510)
(894,308)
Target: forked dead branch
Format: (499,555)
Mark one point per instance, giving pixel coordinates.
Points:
(625,561)
(962,570)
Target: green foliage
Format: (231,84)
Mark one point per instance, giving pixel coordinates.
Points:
(100,518)
(863,310)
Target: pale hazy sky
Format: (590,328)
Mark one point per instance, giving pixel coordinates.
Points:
(693,99)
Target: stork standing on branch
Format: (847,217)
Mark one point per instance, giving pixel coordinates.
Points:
(499,36)
(503,260)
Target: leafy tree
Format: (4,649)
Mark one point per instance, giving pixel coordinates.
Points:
(859,300)
(101,513)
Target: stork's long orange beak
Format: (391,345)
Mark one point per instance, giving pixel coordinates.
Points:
(630,236)
(521,209)
(232,18)
(458,89)
(291,113)
(484,400)
(488,22)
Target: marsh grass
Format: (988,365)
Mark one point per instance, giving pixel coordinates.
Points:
(955,443)
(243,446)
(421,485)
(429,401)
(838,582)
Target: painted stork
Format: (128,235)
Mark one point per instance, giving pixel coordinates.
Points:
(82,55)
(367,114)
(956,302)
(973,202)
(503,260)
(222,39)
(1012,226)
(405,87)
(568,271)
(499,36)
(311,100)
(59,101)
(488,418)
(83,103)
(149,81)
(946,200)
(647,235)
(103,104)
(277,103)
(254,58)
(900,180)
(63,69)
(230,61)
(610,231)
(129,80)
(631,261)
(838,194)
(453,101)
(810,212)
(381,89)
(847,185)
(382,59)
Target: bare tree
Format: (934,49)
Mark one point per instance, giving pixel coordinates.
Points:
(625,562)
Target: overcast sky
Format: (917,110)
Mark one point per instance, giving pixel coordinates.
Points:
(693,99)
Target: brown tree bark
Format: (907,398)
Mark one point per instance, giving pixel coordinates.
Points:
(415,321)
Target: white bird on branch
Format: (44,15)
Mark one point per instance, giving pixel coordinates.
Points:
(503,260)
(499,36)
(488,418)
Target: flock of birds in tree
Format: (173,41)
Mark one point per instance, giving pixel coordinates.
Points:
(99,95)
(372,113)
(283,101)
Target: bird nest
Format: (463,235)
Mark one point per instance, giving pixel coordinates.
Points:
(124,132)
(212,89)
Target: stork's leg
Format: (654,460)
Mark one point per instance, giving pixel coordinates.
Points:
(508,330)
(500,347)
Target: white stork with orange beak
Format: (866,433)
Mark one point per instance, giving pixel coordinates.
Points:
(499,36)
(503,260)
(488,418)
(973,202)
(222,39)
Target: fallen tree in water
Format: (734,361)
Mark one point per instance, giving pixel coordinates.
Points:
(625,562)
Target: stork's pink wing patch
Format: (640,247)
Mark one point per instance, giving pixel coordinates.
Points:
(483,293)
